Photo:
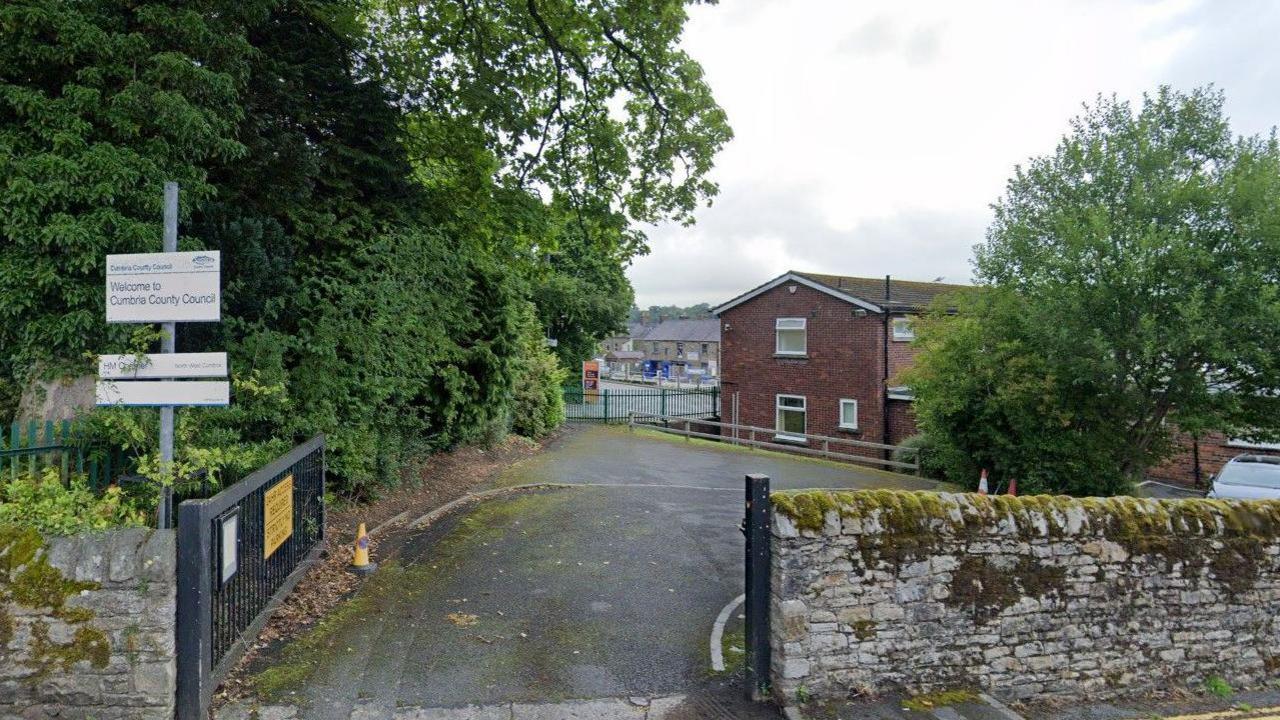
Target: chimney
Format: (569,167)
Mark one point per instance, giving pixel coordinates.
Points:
(886,288)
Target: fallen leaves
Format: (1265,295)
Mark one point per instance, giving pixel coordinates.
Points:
(462,619)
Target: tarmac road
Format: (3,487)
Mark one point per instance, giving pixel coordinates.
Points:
(606,589)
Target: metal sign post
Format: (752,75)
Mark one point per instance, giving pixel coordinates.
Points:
(168,344)
(756,528)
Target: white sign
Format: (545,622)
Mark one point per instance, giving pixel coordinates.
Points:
(157,393)
(164,287)
(170,365)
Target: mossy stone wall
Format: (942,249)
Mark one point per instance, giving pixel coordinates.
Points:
(86,624)
(1032,596)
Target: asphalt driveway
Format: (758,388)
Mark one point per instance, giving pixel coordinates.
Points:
(606,589)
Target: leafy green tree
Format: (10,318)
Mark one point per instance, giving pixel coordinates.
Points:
(1134,282)
(100,103)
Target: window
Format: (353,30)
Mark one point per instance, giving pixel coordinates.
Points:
(848,414)
(704,348)
(902,329)
(790,336)
(653,347)
(680,349)
(791,417)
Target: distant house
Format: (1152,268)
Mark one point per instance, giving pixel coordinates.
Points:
(671,348)
(812,353)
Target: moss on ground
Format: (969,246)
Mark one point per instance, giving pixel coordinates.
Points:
(930,701)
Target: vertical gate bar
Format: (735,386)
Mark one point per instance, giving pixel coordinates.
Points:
(757,584)
(194,613)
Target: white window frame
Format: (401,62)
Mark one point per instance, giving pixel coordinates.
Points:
(840,419)
(907,336)
(803,326)
(777,417)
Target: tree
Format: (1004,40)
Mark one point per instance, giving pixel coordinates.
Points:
(1134,288)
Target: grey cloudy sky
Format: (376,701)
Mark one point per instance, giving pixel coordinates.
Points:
(872,136)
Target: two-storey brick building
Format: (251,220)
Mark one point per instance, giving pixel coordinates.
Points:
(816,354)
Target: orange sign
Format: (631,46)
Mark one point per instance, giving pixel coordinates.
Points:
(590,381)
(277,515)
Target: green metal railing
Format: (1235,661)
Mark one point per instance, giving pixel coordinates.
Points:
(611,405)
(32,447)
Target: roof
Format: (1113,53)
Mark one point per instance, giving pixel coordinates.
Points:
(867,293)
(704,330)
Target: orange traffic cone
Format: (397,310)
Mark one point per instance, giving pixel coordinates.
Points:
(1013,486)
(982,483)
(360,563)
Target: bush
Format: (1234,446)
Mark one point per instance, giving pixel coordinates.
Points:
(931,464)
(537,405)
(42,501)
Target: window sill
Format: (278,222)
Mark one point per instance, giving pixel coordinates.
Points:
(849,429)
(790,439)
(791,356)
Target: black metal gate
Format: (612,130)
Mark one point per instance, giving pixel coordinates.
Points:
(239,553)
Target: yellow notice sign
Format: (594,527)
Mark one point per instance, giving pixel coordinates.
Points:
(277,516)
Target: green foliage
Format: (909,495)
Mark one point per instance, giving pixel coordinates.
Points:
(389,192)
(43,502)
(99,104)
(537,405)
(928,456)
(1218,687)
(693,312)
(1131,290)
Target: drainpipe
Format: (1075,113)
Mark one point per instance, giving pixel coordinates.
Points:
(884,381)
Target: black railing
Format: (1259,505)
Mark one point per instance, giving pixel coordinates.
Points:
(239,553)
(612,405)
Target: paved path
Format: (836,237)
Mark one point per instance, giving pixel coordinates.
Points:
(607,590)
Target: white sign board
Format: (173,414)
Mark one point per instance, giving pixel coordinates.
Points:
(170,365)
(164,287)
(157,393)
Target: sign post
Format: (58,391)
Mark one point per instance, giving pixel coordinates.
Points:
(166,287)
(168,344)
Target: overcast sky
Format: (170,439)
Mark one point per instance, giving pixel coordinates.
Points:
(871,137)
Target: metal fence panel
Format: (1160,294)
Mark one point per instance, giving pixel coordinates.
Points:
(217,619)
(31,447)
(611,405)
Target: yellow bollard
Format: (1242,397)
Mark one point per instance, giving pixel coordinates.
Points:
(360,561)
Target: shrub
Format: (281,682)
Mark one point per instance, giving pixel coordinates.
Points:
(537,397)
(42,501)
(931,464)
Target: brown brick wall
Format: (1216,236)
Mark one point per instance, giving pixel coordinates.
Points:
(844,361)
(902,421)
(902,355)
(1214,453)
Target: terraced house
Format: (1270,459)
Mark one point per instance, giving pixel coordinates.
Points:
(816,354)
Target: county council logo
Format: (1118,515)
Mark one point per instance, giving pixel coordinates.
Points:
(203,261)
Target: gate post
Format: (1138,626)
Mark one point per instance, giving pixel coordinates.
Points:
(663,411)
(194,611)
(757,530)
(606,404)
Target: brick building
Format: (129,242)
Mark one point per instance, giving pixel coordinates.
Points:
(816,354)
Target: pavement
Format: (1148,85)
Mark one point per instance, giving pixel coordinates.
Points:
(538,601)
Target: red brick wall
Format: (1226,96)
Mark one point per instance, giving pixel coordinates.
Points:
(845,360)
(902,421)
(902,355)
(1214,453)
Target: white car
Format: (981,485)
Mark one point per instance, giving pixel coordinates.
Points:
(1248,477)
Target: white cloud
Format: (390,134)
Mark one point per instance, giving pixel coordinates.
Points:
(871,137)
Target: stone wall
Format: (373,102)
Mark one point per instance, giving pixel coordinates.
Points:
(1022,597)
(86,625)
